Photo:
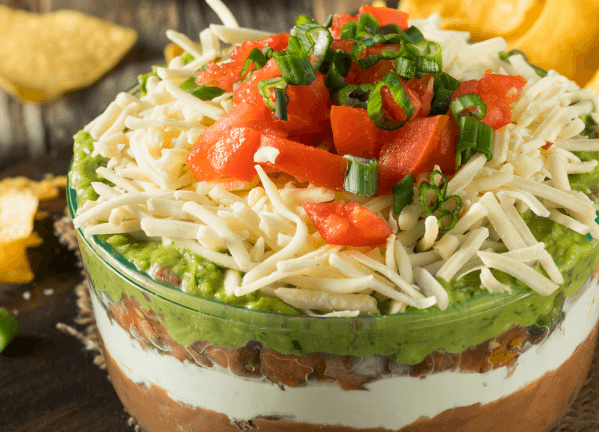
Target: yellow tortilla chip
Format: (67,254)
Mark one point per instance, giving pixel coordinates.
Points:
(14,266)
(44,190)
(17,212)
(555,34)
(43,56)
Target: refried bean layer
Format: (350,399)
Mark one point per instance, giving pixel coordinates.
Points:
(531,409)
(253,360)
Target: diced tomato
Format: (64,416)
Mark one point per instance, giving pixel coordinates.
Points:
(424,89)
(307,163)
(393,110)
(339,20)
(354,132)
(347,224)
(445,154)
(247,92)
(232,155)
(497,92)
(547,145)
(277,42)
(386,15)
(227,74)
(505,87)
(409,150)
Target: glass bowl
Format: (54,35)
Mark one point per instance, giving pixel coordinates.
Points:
(179,362)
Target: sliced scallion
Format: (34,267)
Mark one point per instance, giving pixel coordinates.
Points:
(256,57)
(355,95)
(403,193)
(187,58)
(474,137)
(294,63)
(329,21)
(441,202)
(444,86)
(349,30)
(143,79)
(281,101)
(8,328)
(265,86)
(368,26)
(362,45)
(468,104)
(361,176)
(414,35)
(316,40)
(304,19)
(267,51)
(200,91)
(405,68)
(375,102)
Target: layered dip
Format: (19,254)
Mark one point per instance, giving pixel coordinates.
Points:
(370,224)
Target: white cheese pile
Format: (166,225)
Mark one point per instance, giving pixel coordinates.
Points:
(270,237)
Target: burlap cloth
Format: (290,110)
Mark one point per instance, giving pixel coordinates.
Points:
(583,415)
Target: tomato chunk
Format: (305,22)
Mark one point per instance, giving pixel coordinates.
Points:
(386,15)
(227,74)
(445,154)
(307,163)
(339,20)
(354,132)
(423,87)
(409,150)
(347,224)
(231,155)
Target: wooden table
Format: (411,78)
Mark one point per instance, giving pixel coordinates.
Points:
(47,380)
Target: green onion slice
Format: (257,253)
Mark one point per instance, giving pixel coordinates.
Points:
(304,19)
(281,101)
(425,187)
(256,57)
(361,176)
(375,102)
(267,51)
(265,86)
(329,22)
(336,65)
(366,62)
(187,58)
(474,137)
(449,214)
(349,30)
(444,86)
(354,95)
(405,68)
(201,92)
(468,104)
(143,79)
(316,40)
(294,63)
(368,26)
(429,59)
(403,193)
(413,35)
(448,207)
(8,328)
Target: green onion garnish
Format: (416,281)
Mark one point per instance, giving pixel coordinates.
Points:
(403,193)
(368,26)
(349,30)
(294,63)
(281,101)
(336,65)
(316,40)
(304,19)
(201,92)
(444,86)
(474,137)
(265,86)
(143,79)
(256,57)
(267,51)
(405,68)
(355,95)
(429,59)
(329,21)
(361,176)
(187,58)
(440,202)
(414,35)
(463,105)
(8,328)
(375,102)
(361,45)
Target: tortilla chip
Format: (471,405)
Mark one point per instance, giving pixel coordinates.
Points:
(44,56)
(555,34)
(14,265)
(43,190)
(17,212)
(171,51)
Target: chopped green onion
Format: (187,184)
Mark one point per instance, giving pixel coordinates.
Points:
(349,30)
(8,328)
(405,68)
(187,58)
(201,92)
(474,137)
(329,21)
(281,101)
(316,40)
(462,105)
(143,79)
(336,65)
(265,86)
(366,62)
(256,57)
(361,176)
(368,26)
(444,86)
(429,59)
(304,19)
(440,202)
(267,51)
(294,63)
(391,29)
(375,102)
(403,193)
(355,95)
(414,35)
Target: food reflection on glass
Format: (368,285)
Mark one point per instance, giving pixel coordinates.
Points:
(367,224)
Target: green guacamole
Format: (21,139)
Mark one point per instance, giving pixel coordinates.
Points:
(473,316)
